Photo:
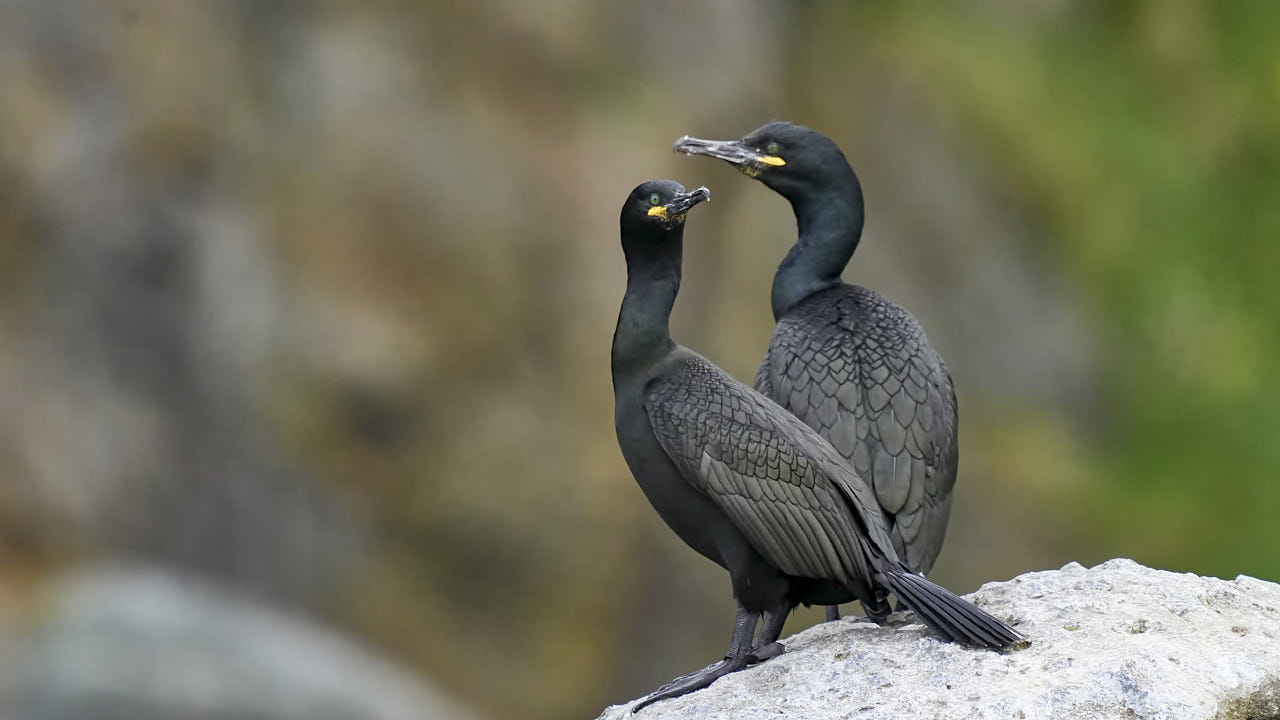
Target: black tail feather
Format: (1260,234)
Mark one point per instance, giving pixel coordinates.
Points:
(955,619)
(907,596)
(972,626)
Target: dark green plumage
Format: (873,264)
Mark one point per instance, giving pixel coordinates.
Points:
(848,361)
(743,481)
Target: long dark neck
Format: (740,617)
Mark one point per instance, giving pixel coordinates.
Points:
(643,335)
(830,224)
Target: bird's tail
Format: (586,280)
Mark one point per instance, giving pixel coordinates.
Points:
(956,620)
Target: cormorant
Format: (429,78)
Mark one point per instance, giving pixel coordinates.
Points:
(851,363)
(741,480)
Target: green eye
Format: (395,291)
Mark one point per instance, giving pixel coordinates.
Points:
(773,148)
(655,199)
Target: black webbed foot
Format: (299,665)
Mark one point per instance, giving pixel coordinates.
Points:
(686,684)
(678,681)
(878,611)
(767,645)
(760,654)
(833,613)
(744,629)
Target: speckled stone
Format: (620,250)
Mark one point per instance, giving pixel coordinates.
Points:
(1118,640)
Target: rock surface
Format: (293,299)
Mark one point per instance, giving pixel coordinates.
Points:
(143,644)
(1118,640)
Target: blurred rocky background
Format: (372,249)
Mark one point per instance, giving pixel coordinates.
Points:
(305,313)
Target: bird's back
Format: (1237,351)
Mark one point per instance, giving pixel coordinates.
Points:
(858,369)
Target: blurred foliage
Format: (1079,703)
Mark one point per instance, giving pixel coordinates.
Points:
(317,299)
(1143,136)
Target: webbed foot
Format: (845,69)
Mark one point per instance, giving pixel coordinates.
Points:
(694,681)
(744,629)
(760,654)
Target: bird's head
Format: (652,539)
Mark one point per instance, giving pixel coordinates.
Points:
(790,159)
(657,207)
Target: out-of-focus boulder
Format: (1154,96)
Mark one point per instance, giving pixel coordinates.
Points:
(142,644)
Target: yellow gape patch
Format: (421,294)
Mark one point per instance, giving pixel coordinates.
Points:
(659,210)
(753,170)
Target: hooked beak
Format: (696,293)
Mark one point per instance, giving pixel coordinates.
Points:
(734,152)
(673,212)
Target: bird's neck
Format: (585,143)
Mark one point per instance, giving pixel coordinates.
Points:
(829,224)
(643,335)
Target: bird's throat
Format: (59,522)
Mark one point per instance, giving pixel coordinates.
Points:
(643,334)
(829,227)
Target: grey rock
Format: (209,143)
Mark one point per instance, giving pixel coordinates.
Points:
(1118,640)
(141,644)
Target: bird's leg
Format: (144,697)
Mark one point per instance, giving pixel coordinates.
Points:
(878,611)
(877,607)
(744,629)
(833,613)
(767,645)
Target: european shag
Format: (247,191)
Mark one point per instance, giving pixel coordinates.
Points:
(851,363)
(741,480)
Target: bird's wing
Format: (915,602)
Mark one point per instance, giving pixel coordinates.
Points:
(781,485)
(764,378)
(859,370)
